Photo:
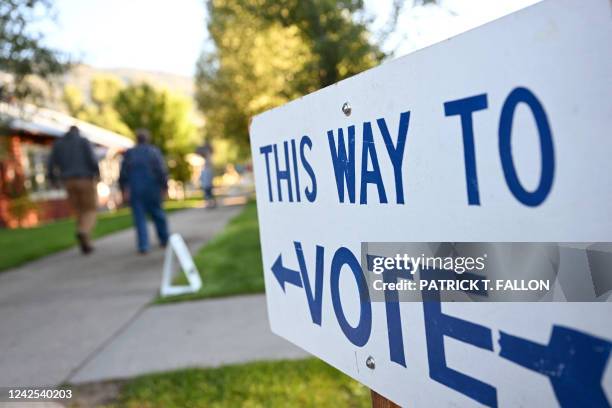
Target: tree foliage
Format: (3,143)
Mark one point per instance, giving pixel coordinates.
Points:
(338,40)
(23,56)
(98,107)
(166,116)
(124,109)
(267,52)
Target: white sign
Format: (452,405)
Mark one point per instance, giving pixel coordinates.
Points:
(176,245)
(500,134)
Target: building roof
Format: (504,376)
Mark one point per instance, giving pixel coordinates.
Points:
(46,122)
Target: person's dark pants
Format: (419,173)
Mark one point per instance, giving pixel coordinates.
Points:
(208,193)
(141,206)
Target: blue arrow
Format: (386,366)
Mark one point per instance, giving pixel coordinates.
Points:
(284,274)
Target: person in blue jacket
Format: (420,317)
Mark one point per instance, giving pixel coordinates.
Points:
(143,180)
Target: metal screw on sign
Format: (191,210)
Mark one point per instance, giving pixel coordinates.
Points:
(370,363)
(346,108)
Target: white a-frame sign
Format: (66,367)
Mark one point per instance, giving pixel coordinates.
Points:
(176,245)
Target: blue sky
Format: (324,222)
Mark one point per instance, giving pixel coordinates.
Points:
(156,35)
(168,35)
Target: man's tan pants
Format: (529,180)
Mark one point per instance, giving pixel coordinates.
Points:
(83,199)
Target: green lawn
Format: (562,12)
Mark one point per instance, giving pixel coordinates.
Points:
(302,383)
(18,246)
(230,264)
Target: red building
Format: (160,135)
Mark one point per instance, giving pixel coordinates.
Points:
(26,137)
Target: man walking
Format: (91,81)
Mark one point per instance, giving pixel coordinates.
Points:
(73,161)
(143,180)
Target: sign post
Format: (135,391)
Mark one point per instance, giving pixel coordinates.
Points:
(177,246)
(378,401)
(499,135)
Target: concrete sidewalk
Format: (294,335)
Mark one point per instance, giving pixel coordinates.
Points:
(205,333)
(58,313)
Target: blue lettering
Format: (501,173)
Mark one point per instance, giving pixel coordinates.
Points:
(438,325)
(315,301)
(392,309)
(465,107)
(295,171)
(360,334)
(396,153)
(537,196)
(370,176)
(344,167)
(311,194)
(266,150)
(283,174)
(574,362)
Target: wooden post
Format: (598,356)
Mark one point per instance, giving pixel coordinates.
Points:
(378,401)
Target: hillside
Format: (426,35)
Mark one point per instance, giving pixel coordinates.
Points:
(81,76)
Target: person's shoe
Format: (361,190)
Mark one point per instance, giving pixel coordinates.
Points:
(143,251)
(84,244)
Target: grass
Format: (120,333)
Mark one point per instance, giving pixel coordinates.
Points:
(22,245)
(302,383)
(230,264)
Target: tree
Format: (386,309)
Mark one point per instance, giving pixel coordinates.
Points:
(103,91)
(166,116)
(339,41)
(23,57)
(267,52)
(249,74)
